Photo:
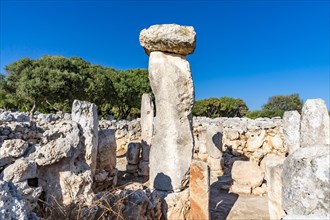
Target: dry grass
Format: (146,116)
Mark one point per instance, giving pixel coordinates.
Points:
(106,205)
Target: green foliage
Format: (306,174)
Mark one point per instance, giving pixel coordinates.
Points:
(264,114)
(284,103)
(221,107)
(51,83)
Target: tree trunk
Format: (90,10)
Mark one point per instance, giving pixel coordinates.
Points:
(33,109)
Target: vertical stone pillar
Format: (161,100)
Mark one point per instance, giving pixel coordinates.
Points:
(147,118)
(199,190)
(274,168)
(85,114)
(315,123)
(171,82)
(291,129)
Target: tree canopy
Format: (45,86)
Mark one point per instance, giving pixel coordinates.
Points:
(220,107)
(51,83)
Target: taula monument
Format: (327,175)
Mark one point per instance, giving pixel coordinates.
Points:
(171,82)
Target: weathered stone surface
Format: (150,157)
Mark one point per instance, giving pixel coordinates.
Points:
(132,168)
(305,217)
(240,188)
(274,168)
(12,205)
(176,205)
(64,173)
(215,168)
(199,190)
(85,114)
(172,144)
(21,170)
(139,205)
(255,139)
(133,153)
(315,123)
(247,173)
(170,38)
(214,141)
(147,118)
(106,155)
(305,178)
(13,148)
(259,191)
(291,130)
(60,141)
(143,169)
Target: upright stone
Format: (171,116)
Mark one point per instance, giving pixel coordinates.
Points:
(274,168)
(85,114)
(147,118)
(291,129)
(306,185)
(199,190)
(172,85)
(315,123)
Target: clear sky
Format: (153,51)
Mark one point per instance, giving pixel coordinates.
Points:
(245,49)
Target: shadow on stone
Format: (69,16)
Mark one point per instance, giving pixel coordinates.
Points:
(221,201)
(163,182)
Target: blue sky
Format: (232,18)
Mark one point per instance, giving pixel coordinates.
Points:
(245,49)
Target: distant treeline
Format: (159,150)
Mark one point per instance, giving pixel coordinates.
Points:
(51,83)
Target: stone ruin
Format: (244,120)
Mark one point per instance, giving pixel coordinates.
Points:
(58,163)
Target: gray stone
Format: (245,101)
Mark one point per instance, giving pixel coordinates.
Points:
(12,205)
(291,130)
(214,141)
(274,168)
(315,123)
(106,155)
(85,114)
(13,148)
(172,144)
(143,169)
(305,217)
(133,153)
(247,173)
(305,179)
(147,118)
(21,170)
(170,38)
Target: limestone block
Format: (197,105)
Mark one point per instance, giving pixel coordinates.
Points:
(199,190)
(315,123)
(147,118)
(214,141)
(176,205)
(132,168)
(143,169)
(85,114)
(12,205)
(255,139)
(170,38)
(172,144)
(240,188)
(259,191)
(291,130)
(274,168)
(247,173)
(305,178)
(13,148)
(133,153)
(106,151)
(21,170)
